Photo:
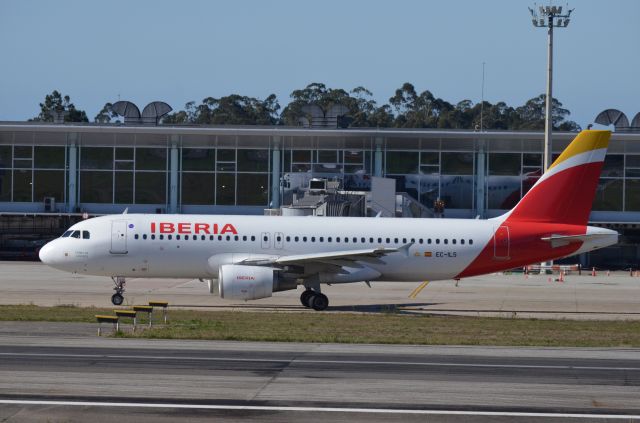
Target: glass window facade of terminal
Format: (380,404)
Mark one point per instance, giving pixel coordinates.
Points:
(123,175)
(225,176)
(215,171)
(31,174)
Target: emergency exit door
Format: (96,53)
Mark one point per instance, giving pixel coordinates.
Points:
(501,243)
(118,237)
(266,240)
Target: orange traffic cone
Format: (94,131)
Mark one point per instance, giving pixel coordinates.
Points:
(561,279)
(593,272)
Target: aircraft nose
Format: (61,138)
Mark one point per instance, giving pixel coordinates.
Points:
(46,253)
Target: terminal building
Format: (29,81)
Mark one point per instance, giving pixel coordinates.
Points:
(54,174)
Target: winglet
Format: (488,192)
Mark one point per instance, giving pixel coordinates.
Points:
(126,211)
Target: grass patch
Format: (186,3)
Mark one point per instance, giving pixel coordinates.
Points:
(383,328)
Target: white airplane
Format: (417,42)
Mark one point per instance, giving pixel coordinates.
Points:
(251,257)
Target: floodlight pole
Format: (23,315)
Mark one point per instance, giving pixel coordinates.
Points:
(548,123)
(550,17)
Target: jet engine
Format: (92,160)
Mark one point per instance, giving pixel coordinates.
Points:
(240,282)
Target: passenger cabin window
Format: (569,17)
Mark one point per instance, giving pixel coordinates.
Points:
(136,236)
(66,234)
(85,235)
(153,236)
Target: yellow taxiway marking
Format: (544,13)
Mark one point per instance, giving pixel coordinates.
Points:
(420,287)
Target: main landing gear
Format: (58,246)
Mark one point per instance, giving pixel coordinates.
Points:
(315,300)
(117,298)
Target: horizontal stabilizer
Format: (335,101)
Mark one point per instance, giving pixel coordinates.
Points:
(562,240)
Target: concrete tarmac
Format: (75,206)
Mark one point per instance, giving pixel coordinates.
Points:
(48,377)
(616,296)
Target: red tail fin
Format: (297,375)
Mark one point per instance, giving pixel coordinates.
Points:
(564,194)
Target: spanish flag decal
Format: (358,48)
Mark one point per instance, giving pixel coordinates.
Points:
(427,253)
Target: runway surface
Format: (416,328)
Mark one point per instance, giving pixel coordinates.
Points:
(47,377)
(579,297)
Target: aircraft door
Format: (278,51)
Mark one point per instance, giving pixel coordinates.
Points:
(278,241)
(118,237)
(266,240)
(501,243)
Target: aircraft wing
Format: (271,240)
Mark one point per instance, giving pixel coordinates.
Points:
(336,258)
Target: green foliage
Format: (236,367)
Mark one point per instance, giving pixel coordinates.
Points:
(57,103)
(106,115)
(406,109)
(229,110)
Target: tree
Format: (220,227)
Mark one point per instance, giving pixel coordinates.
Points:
(532,115)
(233,109)
(363,110)
(106,114)
(57,103)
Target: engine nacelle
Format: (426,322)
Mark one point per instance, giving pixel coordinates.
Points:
(240,282)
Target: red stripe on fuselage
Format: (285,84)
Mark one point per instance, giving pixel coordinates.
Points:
(525,247)
(565,197)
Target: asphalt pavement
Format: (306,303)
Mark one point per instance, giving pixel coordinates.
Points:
(50,377)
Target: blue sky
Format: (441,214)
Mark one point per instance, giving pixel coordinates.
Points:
(177,51)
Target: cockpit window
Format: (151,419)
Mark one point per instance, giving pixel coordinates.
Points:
(85,235)
(75,234)
(66,234)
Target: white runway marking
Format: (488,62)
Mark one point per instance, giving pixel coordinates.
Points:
(309,361)
(320,409)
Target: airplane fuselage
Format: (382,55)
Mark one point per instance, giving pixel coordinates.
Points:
(194,246)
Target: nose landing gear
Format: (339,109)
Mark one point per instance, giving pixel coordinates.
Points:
(117,298)
(315,300)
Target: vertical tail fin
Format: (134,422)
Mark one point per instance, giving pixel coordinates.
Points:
(564,194)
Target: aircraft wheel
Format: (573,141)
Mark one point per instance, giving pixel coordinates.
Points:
(117,299)
(319,302)
(304,297)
